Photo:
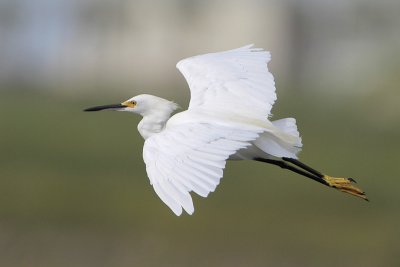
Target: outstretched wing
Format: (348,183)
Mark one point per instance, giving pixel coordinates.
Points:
(233,82)
(191,157)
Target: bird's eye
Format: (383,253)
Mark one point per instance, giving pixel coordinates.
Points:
(133,102)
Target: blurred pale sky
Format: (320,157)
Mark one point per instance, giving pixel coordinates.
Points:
(65,44)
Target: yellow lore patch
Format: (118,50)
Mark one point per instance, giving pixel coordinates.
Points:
(130,104)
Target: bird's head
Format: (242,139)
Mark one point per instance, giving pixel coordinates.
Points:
(141,104)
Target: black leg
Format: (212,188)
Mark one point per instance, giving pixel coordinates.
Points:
(284,165)
(303,166)
(342,184)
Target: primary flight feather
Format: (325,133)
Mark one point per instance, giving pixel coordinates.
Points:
(232,93)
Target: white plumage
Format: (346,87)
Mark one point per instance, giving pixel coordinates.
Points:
(191,157)
(236,82)
(232,94)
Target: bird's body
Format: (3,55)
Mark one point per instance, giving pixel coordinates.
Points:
(232,94)
(278,139)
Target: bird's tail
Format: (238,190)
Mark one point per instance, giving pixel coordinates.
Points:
(285,141)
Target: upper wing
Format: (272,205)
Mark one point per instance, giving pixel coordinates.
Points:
(191,157)
(236,82)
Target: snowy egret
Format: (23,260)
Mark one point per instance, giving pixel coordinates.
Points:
(232,93)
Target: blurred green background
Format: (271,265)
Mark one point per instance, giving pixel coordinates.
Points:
(73,187)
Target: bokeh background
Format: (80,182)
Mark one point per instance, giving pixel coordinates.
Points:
(73,187)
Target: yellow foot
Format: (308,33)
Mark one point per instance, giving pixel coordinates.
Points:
(345,185)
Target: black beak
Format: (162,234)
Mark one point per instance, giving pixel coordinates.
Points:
(113,107)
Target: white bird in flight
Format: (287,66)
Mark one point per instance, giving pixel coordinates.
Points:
(232,93)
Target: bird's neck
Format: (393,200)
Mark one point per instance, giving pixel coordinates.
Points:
(155,116)
(152,124)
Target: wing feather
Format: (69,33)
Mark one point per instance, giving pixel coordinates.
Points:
(235,82)
(176,168)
